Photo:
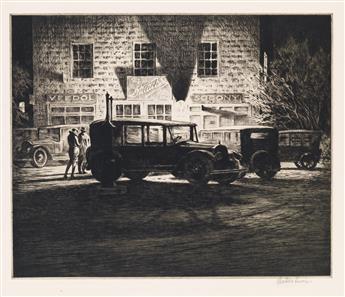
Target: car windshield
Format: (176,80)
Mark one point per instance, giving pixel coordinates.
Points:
(179,133)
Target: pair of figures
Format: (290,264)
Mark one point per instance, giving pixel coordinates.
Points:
(78,143)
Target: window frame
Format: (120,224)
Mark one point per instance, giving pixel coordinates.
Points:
(72,60)
(65,114)
(218,59)
(134,59)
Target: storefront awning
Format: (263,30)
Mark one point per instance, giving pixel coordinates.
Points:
(218,111)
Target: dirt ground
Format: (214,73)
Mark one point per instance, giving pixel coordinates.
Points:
(164,226)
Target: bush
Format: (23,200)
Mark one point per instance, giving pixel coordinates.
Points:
(326,148)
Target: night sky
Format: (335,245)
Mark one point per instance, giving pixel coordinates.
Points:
(315,28)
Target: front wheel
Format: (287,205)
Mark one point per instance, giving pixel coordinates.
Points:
(198,168)
(263,164)
(39,158)
(308,161)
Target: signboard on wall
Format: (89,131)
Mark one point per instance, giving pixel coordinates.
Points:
(232,98)
(71,98)
(148,88)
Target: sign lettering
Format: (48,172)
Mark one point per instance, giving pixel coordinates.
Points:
(217,98)
(71,98)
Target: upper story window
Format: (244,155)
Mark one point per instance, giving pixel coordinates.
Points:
(208,59)
(82,60)
(144,59)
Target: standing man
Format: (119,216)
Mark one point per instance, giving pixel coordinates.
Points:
(73,151)
(84,141)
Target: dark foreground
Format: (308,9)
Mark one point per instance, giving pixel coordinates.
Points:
(165,227)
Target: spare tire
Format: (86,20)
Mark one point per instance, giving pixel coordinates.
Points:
(197,168)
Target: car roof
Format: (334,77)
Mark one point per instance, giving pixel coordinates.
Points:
(300,131)
(141,121)
(236,128)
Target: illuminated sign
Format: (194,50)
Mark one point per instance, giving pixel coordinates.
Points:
(148,88)
(216,98)
(72,98)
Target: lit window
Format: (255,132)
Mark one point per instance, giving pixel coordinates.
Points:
(159,111)
(128,110)
(208,59)
(82,60)
(61,115)
(144,59)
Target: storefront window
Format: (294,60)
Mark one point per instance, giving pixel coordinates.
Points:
(82,60)
(128,110)
(210,122)
(144,59)
(159,111)
(208,59)
(62,115)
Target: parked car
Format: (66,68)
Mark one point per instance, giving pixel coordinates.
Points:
(301,147)
(39,145)
(135,147)
(258,146)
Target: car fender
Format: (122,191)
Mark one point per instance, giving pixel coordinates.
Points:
(36,146)
(180,163)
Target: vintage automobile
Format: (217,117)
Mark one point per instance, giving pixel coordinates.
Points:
(258,146)
(301,147)
(39,145)
(136,147)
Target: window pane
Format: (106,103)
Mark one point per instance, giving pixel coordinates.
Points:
(137,47)
(83,59)
(87,119)
(119,110)
(160,109)
(73,109)
(87,109)
(58,120)
(156,134)
(72,120)
(58,109)
(167,109)
(151,109)
(136,109)
(133,134)
(128,109)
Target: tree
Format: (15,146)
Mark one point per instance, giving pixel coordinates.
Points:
(297,94)
(21,88)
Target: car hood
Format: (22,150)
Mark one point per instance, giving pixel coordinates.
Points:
(200,145)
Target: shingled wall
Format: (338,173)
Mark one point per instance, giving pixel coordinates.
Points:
(176,38)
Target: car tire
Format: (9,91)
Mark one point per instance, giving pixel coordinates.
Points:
(197,168)
(136,176)
(262,163)
(106,168)
(39,157)
(308,161)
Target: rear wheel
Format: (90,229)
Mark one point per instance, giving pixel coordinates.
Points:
(308,161)
(262,163)
(106,168)
(198,168)
(39,158)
